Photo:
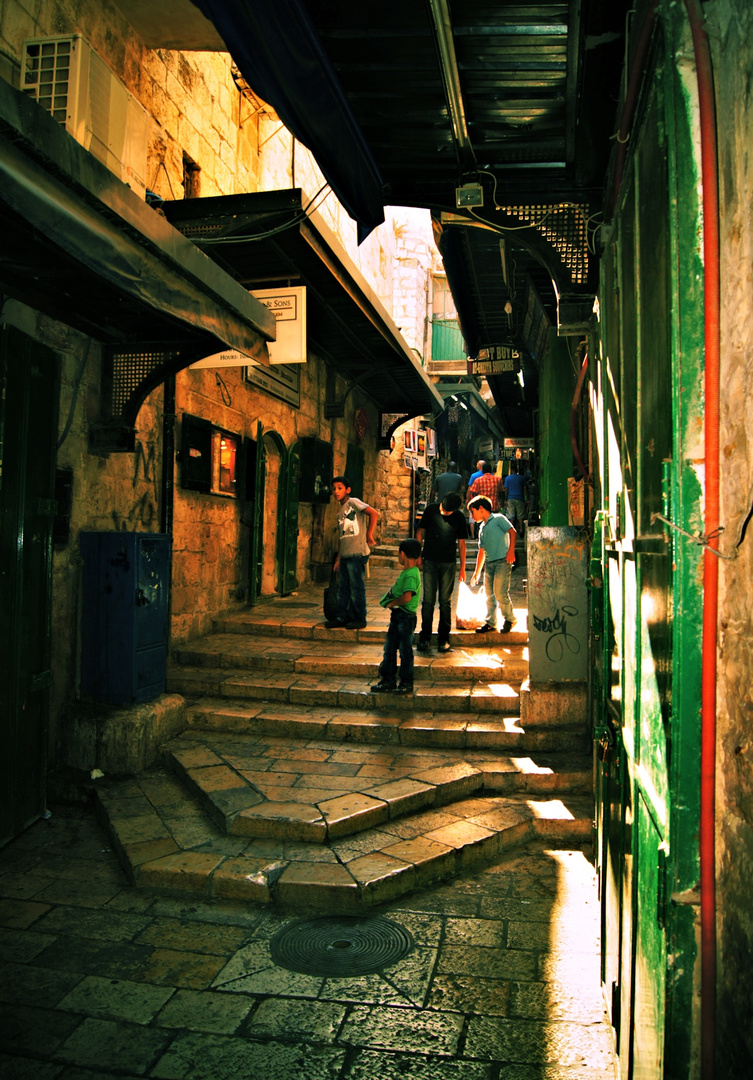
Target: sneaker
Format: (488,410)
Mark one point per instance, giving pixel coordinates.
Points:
(507,626)
(383,687)
(486,628)
(444,646)
(355,625)
(404,688)
(422,646)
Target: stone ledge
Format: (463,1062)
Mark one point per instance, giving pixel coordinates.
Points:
(125,740)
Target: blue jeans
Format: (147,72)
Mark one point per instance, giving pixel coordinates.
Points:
(514,511)
(497,581)
(399,639)
(351,591)
(441,576)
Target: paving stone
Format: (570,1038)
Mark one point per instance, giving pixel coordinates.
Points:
(217,1057)
(202,1010)
(470,994)
(482,933)
(403,796)
(27,984)
(402,1029)
(40,1031)
(317,884)
(188,870)
(282,820)
(313,1021)
(431,859)
(529,1041)
(100,925)
(452,781)
(179,967)
(353,813)
(374,1065)
(193,936)
(115,999)
(244,879)
(20,1068)
(493,963)
(382,877)
(471,842)
(22,947)
(252,971)
(106,1044)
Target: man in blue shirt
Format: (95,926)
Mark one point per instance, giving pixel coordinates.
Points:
(515,492)
(496,553)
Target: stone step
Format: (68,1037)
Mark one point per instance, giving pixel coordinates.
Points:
(347,658)
(501,698)
(260,623)
(395,727)
(168,843)
(315,790)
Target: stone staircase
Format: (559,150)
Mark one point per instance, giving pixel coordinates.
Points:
(294,784)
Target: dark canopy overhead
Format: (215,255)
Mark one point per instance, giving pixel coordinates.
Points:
(266,240)
(497,112)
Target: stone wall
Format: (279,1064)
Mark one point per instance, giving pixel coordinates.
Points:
(731,35)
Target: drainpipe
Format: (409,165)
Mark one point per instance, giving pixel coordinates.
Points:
(711,306)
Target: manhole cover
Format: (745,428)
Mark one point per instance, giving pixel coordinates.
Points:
(337,945)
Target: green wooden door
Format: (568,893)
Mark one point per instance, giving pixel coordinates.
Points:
(28,432)
(257,518)
(289,534)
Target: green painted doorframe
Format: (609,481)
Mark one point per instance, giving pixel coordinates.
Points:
(649,380)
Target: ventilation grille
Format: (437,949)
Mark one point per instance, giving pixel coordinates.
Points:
(565,228)
(47,74)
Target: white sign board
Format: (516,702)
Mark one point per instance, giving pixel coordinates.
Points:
(289,308)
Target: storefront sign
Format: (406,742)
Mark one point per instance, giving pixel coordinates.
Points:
(289,309)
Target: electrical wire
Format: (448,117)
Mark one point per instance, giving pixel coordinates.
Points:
(74,394)
(297,218)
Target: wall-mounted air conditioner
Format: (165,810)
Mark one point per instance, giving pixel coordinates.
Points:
(72,82)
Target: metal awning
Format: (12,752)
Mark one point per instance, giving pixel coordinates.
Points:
(266,240)
(81,247)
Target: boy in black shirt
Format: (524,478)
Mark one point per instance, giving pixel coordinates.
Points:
(443,531)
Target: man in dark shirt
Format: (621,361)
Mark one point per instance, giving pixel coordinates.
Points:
(443,531)
(449,480)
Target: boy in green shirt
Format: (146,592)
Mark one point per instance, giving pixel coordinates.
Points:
(402,600)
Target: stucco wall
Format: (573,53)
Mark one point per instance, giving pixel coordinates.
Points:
(731,35)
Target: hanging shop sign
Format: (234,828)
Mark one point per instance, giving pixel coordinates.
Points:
(288,306)
(494,359)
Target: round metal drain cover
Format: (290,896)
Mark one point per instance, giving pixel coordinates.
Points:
(340,945)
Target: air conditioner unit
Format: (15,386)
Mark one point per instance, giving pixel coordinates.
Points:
(72,82)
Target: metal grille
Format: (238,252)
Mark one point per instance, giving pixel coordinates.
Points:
(565,228)
(129,370)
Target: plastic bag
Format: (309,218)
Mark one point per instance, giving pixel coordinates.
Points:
(470,613)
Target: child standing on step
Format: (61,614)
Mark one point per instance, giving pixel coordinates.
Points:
(402,600)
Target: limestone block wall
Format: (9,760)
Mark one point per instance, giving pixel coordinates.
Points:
(731,35)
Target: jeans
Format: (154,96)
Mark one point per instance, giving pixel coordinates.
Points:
(439,575)
(514,511)
(351,591)
(399,639)
(498,574)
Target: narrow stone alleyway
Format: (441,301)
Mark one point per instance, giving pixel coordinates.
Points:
(100,979)
(194,938)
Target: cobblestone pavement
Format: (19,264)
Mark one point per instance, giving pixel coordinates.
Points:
(98,979)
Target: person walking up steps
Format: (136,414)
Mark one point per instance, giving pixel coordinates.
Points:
(402,600)
(356,521)
(496,552)
(443,531)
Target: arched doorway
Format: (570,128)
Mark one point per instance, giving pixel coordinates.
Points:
(274,542)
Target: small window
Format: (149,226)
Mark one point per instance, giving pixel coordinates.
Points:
(209,457)
(224,462)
